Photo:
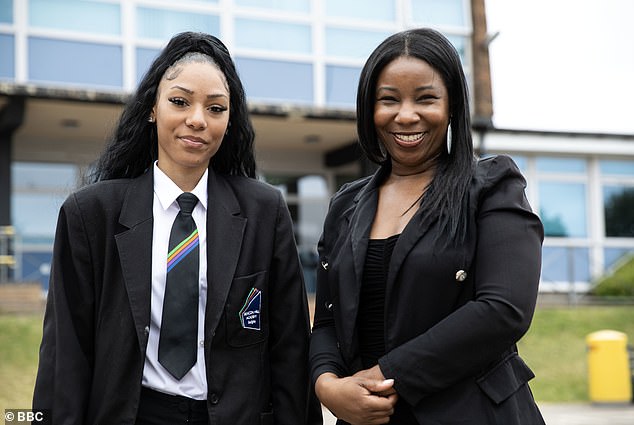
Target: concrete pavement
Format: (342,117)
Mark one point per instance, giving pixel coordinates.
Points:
(569,414)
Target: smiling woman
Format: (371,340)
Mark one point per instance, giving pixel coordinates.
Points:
(192,116)
(430,267)
(153,261)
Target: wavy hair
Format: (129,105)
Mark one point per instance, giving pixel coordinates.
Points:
(447,192)
(133,146)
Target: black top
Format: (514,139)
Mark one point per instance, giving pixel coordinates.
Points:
(371,319)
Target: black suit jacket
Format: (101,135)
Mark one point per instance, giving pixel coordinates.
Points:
(98,311)
(450,343)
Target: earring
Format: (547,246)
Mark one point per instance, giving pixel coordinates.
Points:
(449,141)
(151,119)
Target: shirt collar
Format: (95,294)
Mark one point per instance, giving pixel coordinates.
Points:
(167,191)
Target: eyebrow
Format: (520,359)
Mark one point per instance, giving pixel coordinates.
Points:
(209,96)
(421,88)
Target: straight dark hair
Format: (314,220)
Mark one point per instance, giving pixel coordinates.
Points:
(448,191)
(133,147)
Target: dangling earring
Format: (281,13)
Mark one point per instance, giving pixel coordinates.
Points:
(449,141)
(150,119)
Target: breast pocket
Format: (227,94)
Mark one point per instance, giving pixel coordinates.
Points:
(246,311)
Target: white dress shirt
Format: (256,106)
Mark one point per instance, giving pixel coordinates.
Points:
(165,208)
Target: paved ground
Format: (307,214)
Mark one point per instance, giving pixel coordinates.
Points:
(570,414)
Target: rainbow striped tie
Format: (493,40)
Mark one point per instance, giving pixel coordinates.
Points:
(179,323)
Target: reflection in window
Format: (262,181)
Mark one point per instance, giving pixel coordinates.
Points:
(561,165)
(7,48)
(162,24)
(276,80)
(439,12)
(563,209)
(352,43)
(6,12)
(380,10)
(286,5)
(618,206)
(93,17)
(100,64)
(617,167)
(273,36)
(341,85)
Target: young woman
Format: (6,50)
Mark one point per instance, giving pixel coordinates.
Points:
(226,340)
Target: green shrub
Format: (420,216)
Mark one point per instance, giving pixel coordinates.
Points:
(619,284)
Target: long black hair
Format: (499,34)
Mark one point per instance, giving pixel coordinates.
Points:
(133,147)
(447,192)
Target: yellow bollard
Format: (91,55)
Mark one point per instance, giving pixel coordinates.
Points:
(609,379)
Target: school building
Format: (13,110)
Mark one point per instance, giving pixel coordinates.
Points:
(68,66)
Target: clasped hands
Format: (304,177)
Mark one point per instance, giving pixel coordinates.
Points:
(364,398)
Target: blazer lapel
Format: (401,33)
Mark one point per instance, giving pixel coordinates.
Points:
(135,250)
(417,227)
(360,217)
(225,230)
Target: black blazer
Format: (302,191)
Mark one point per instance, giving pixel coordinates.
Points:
(450,343)
(98,311)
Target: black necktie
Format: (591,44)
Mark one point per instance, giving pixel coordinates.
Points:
(179,325)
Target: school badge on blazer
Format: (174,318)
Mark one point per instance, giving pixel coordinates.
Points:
(250,311)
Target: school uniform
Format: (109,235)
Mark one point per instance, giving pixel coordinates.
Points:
(98,314)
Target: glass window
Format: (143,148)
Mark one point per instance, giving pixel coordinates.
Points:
(341,85)
(6,11)
(563,208)
(352,43)
(561,165)
(76,15)
(379,10)
(460,44)
(35,264)
(38,192)
(617,167)
(162,24)
(618,207)
(613,256)
(7,47)
(565,265)
(49,60)
(276,36)
(307,198)
(144,58)
(276,80)
(439,12)
(286,5)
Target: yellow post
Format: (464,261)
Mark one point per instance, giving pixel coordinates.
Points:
(609,378)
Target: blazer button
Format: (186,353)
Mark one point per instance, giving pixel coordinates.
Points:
(324,265)
(461,275)
(214,399)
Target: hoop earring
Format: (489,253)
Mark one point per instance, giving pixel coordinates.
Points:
(449,139)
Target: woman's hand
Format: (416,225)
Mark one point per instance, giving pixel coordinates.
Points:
(374,373)
(358,399)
